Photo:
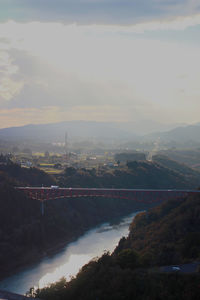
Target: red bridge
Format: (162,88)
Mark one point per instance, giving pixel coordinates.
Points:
(140,195)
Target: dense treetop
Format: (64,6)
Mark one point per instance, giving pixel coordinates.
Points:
(134,174)
(168,234)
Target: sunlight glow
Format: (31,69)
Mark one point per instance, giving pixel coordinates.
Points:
(82,66)
(67,270)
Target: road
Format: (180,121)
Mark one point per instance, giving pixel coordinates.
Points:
(185,268)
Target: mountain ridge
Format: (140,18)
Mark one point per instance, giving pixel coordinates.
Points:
(84,129)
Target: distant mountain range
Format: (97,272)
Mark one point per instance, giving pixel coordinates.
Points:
(184,134)
(55,132)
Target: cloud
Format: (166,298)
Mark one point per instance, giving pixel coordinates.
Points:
(100,113)
(9,87)
(46,85)
(20,117)
(97,72)
(95,11)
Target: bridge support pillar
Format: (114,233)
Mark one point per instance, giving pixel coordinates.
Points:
(42,208)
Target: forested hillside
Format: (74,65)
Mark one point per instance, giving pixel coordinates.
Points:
(190,157)
(22,225)
(134,175)
(26,235)
(168,234)
(180,168)
(17,175)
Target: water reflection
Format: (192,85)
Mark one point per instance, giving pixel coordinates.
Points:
(69,269)
(70,259)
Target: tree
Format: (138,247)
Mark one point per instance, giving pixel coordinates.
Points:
(128,258)
(70,171)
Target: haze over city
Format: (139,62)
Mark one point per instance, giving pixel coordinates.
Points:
(99,61)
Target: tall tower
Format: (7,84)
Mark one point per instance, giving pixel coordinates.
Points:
(66,147)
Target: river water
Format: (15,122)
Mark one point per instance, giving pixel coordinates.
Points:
(70,259)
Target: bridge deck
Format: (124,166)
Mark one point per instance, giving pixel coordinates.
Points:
(108,189)
(145,196)
(139,195)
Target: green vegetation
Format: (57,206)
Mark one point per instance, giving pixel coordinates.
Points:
(168,234)
(190,157)
(105,281)
(130,156)
(32,235)
(180,168)
(133,175)
(21,223)
(51,171)
(20,228)
(17,175)
(165,235)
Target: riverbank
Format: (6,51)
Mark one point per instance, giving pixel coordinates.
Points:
(70,258)
(35,255)
(167,235)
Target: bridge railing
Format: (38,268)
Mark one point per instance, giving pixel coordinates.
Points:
(45,194)
(138,195)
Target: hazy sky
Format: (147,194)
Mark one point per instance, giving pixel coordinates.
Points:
(104,60)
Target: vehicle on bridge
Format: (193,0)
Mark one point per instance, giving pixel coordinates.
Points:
(54,187)
(176,268)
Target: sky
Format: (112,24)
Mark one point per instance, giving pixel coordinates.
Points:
(99,60)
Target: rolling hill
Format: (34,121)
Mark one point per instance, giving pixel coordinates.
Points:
(168,234)
(181,135)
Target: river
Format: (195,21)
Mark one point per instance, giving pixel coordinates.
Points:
(70,259)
